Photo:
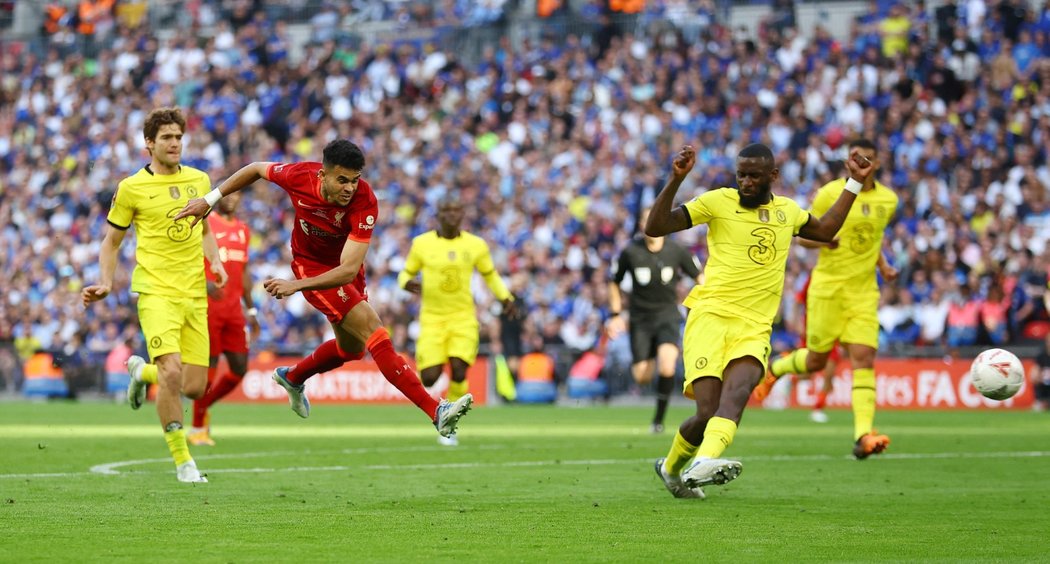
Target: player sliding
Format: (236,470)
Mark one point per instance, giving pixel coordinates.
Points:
(335,214)
(727,331)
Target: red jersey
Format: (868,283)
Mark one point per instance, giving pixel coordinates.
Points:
(232,236)
(322,228)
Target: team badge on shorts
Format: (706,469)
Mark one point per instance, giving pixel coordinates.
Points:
(155,343)
(701,363)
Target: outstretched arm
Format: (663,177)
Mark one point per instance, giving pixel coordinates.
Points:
(662,219)
(350,262)
(825,227)
(199,207)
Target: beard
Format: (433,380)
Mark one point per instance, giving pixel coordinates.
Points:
(755,200)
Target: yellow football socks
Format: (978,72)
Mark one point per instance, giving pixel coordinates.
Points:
(793,363)
(863,401)
(457,390)
(177,445)
(717,437)
(681,453)
(149,374)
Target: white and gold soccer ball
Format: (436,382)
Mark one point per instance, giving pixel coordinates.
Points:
(997,374)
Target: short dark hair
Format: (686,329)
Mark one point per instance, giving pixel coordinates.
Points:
(756,151)
(862,143)
(344,153)
(159,117)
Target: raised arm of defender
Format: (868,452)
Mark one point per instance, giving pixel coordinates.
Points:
(825,227)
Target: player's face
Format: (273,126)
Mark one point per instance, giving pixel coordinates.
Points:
(339,184)
(754,179)
(166,149)
(450,215)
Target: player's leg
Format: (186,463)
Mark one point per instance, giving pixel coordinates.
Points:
(702,349)
(431,352)
(166,324)
(199,434)
(861,339)
(828,374)
(363,323)
(666,338)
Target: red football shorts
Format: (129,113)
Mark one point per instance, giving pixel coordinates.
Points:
(227,330)
(336,302)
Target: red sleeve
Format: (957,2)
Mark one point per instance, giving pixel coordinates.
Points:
(281,174)
(364,219)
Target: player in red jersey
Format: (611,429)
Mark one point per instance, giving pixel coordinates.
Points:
(227,323)
(335,215)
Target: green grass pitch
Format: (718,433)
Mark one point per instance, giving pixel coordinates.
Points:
(94,482)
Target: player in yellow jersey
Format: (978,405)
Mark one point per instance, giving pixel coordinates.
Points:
(169,278)
(843,299)
(448,323)
(727,331)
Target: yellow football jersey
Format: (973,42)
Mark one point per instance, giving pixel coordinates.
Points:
(169,254)
(852,263)
(748,251)
(447,266)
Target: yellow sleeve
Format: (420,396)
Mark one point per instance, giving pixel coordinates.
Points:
(487,270)
(801,218)
(122,209)
(412,265)
(701,208)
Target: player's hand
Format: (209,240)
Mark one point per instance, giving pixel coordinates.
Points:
(684,161)
(834,243)
(615,326)
(860,167)
(889,273)
(94,293)
(214,291)
(280,288)
(197,208)
(414,287)
(220,274)
(510,307)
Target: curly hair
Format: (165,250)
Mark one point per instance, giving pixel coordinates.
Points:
(159,117)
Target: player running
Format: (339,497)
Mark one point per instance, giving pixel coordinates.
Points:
(336,212)
(173,303)
(448,322)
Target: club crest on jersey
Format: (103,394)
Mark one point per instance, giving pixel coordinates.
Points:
(865,209)
(174,191)
(763,215)
(452,256)
(880,211)
(782,217)
(338,219)
(192,191)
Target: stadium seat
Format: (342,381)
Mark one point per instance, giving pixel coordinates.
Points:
(536,379)
(43,378)
(584,381)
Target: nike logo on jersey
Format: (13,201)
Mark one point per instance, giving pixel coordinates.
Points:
(151,196)
(220,235)
(741,211)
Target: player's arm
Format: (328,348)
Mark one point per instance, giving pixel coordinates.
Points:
(406,279)
(662,219)
(824,227)
(494,281)
(248,174)
(249,304)
(211,252)
(107,265)
(350,261)
(887,270)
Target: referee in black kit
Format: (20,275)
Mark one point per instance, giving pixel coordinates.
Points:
(654,264)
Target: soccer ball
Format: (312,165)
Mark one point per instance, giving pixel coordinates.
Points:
(997,374)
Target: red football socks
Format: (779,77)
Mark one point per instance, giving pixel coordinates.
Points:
(398,373)
(326,357)
(217,389)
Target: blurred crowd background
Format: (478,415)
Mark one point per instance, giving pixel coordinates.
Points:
(555,121)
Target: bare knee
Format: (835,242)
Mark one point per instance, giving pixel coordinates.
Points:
(816,361)
(642,372)
(430,375)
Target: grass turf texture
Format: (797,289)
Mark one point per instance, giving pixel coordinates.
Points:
(370,483)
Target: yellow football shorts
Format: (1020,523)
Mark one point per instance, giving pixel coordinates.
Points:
(712,341)
(451,337)
(175,325)
(848,319)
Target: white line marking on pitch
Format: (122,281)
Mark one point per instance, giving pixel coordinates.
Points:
(111,468)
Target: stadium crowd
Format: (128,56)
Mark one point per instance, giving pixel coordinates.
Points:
(557,143)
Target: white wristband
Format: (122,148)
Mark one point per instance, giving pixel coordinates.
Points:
(252,312)
(213,197)
(854,186)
